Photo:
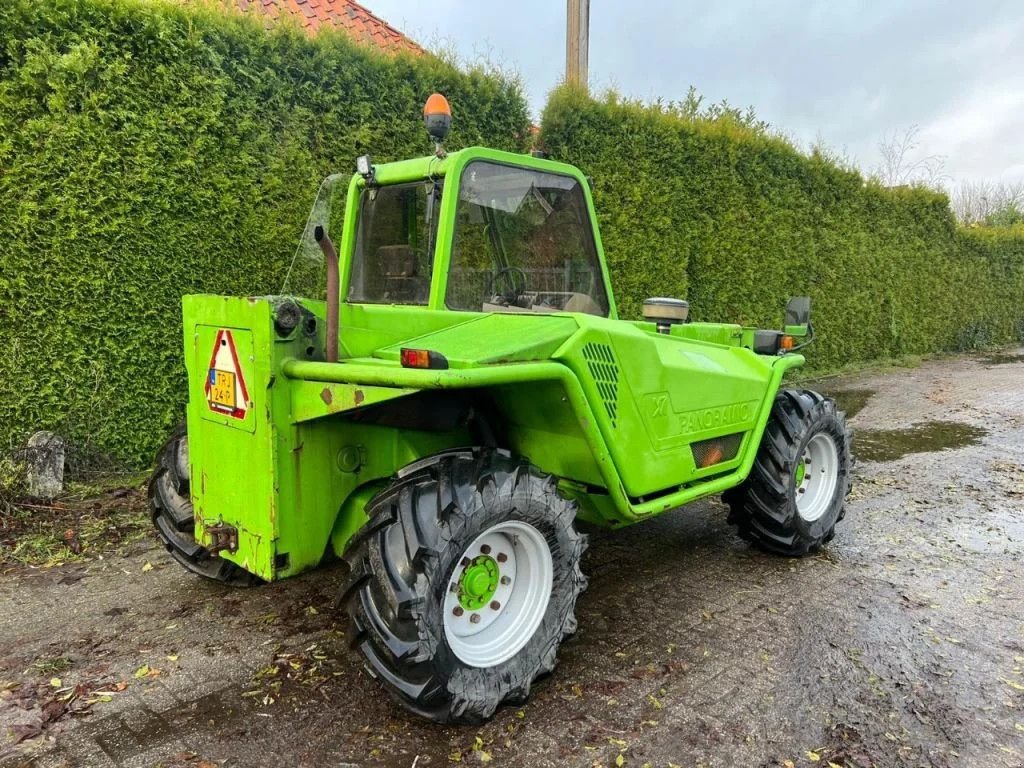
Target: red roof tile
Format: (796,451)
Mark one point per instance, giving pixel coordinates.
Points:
(346,15)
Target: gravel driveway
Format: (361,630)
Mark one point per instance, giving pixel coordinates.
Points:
(900,645)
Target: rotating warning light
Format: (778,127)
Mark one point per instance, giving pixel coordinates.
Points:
(437,116)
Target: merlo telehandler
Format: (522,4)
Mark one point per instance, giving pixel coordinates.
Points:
(464,394)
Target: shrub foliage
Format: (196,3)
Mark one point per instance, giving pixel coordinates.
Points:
(737,221)
(148,151)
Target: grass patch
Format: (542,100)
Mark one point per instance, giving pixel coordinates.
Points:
(50,667)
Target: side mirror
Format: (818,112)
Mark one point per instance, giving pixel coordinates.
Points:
(798,311)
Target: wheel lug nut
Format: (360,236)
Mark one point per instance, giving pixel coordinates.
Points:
(454,587)
(457,610)
(502,557)
(465,562)
(495,605)
(506,580)
(475,618)
(485,549)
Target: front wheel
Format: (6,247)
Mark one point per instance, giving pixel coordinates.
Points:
(797,488)
(464,582)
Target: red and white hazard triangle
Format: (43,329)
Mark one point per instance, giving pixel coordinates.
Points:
(225,386)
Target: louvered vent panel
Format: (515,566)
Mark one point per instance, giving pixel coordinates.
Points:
(605,373)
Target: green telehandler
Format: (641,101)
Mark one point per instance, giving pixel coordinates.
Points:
(463,395)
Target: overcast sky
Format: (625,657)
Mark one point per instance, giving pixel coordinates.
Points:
(848,73)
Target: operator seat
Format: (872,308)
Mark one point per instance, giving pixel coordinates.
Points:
(400,269)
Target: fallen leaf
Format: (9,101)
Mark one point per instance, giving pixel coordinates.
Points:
(813,756)
(147,567)
(52,710)
(620,760)
(55,682)
(22,732)
(142,671)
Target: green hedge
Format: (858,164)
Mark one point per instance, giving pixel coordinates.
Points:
(737,221)
(148,151)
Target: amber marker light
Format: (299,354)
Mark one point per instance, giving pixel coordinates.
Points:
(423,358)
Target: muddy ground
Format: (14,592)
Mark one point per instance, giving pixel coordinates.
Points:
(901,645)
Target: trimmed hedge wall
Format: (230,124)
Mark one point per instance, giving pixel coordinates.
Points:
(148,151)
(738,221)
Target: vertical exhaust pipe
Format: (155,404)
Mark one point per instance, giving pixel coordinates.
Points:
(333,289)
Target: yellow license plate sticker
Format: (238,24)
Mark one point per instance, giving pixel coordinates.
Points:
(222,389)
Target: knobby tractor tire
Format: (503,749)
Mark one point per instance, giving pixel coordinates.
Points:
(765,508)
(170,506)
(404,563)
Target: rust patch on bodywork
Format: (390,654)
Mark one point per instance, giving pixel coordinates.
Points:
(327,396)
(359,397)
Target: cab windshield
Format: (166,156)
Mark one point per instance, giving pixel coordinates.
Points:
(523,243)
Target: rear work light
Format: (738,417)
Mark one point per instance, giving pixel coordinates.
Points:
(423,358)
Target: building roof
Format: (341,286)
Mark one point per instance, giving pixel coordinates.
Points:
(345,15)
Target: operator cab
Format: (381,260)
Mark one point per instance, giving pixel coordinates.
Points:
(522,241)
(475,231)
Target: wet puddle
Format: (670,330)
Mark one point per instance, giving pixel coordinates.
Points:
(892,444)
(1001,358)
(851,401)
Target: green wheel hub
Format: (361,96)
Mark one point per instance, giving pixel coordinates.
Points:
(478,582)
(801,471)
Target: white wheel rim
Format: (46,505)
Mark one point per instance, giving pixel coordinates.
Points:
(511,614)
(821,476)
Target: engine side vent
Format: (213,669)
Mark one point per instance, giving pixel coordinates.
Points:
(605,372)
(707,453)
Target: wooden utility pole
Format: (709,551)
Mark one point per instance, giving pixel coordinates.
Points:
(577,41)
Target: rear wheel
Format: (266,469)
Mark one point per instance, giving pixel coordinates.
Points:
(170,506)
(797,488)
(464,582)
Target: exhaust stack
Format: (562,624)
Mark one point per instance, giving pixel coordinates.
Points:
(333,287)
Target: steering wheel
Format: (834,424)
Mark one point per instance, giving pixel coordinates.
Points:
(515,283)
